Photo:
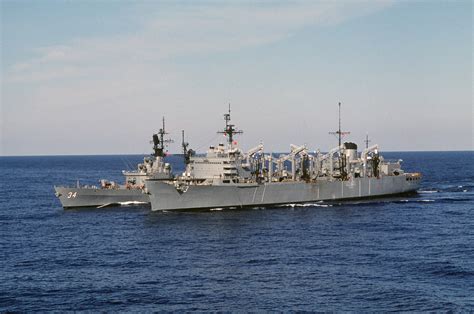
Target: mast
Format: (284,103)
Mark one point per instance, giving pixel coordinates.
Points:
(342,159)
(367,141)
(340,134)
(230,129)
(159,141)
(185,148)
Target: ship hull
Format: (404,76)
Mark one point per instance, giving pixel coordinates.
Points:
(164,196)
(90,197)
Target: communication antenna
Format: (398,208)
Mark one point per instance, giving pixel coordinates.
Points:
(367,141)
(340,134)
(227,117)
(230,129)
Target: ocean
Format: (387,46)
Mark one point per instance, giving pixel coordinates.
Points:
(411,253)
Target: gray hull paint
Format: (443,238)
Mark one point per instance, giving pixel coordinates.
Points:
(165,196)
(87,197)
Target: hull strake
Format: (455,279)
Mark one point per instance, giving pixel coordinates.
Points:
(164,196)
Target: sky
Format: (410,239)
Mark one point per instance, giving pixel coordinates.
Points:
(96,77)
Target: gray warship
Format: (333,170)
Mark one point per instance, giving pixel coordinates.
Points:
(131,192)
(226,177)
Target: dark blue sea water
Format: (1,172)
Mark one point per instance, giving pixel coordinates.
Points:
(401,254)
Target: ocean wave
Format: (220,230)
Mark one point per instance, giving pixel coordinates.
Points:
(458,189)
(455,199)
(413,201)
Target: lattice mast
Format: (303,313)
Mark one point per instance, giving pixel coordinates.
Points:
(340,134)
(159,141)
(230,129)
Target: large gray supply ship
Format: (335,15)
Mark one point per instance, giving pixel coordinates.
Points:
(228,178)
(129,193)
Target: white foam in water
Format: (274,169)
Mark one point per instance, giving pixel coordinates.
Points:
(464,191)
(307,205)
(426,200)
(316,205)
(428,192)
(216,209)
(132,203)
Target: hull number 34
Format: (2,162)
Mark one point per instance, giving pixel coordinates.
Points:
(71,194)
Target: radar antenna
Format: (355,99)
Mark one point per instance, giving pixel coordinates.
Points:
(159,141)
(230,129)
(340,134)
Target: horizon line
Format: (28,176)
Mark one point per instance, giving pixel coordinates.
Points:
(145,154)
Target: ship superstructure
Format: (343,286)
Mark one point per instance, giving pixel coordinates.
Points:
(226,177)
(110,193)
(153,166)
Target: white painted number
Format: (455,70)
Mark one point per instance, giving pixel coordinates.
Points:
(71,194)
